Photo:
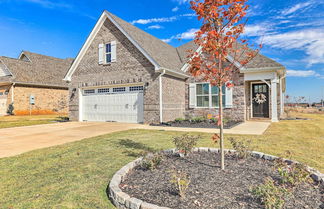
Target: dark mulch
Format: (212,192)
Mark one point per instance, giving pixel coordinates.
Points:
(210,187)
(203,124)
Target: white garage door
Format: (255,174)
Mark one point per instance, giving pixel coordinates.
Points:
(119,104)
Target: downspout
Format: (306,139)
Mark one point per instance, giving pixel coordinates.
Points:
(161,96)
(13,93)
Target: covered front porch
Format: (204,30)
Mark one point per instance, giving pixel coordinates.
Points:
(264,93)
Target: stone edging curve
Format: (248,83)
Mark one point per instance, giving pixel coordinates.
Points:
(123,201)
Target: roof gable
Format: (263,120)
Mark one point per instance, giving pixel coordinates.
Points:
(159,53)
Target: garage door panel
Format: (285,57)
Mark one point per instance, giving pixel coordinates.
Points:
(119,107)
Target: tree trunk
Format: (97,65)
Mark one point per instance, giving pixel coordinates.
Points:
(221,135)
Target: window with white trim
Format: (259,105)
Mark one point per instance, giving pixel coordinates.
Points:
(89,91)
(207,95)
(108,53)
(136,88)
(215,97)
(202,93)
(101,91)
(119,89)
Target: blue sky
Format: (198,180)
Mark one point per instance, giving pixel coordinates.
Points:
(292,31)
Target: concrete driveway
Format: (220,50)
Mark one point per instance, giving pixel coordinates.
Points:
(14,141)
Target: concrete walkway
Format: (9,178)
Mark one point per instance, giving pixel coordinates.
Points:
(247,128)
(14,141)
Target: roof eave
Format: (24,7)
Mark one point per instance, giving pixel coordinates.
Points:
(174,73)
(264,69)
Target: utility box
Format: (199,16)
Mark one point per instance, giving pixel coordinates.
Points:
(31,99)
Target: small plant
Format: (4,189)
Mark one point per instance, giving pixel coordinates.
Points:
(181,181)
(243,148)
(197,119)
(291,175)
(178,120)
(270,194)
(152,161)
(10,109)
(185,143)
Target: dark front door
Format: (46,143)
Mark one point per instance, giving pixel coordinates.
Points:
(260,100)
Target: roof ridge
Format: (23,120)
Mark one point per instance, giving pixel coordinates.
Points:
(47,56)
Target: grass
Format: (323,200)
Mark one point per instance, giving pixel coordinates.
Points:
(16,121)
(76,175)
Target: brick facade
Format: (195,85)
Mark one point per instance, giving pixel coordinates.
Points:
(238,110)
(47,100)
(174,93)
(131,67)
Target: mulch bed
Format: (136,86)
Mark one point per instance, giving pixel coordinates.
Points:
(203,124)
(212,188)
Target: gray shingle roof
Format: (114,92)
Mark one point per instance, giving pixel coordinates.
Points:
(164,54)
(42,70)
(174,58)
(260,61)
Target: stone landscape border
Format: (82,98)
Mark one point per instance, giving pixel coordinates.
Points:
(123,201)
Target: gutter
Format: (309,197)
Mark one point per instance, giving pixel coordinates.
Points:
(255,70)
(161,95)
(173,73)
(42,85)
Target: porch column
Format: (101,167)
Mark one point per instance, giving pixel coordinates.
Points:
(274,109)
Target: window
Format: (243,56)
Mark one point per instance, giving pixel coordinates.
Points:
(136,88)
(89,91)
(119,89)
(215,97)
(106,90)
(202,92)
(108,53)
(1,93)
(207,96)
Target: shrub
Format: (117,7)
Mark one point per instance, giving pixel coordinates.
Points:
(179,120)
(243,148)
(291,175)
(181,181)
(185,143)
(197,119)
(10,109)
(270,194)
(151,161)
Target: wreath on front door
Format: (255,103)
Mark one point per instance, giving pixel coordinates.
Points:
(260,98)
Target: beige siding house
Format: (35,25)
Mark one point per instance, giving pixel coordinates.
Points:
(33,84)
(124,74)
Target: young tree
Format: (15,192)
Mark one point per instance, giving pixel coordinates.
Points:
(222,50)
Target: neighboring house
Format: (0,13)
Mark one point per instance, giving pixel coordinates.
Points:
(127,75)
(33,78)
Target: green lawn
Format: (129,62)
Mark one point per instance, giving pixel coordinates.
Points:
(76,175)
(16,121)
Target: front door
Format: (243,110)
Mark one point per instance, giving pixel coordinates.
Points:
(260,100)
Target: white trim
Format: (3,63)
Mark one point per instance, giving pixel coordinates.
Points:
(6,68)
(21,54)
(80,104)
(161,96)
(91,37)
(174,73)
(274,98)
(251,101)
